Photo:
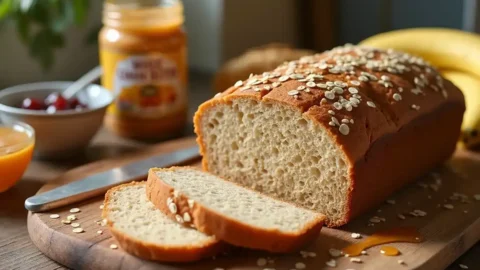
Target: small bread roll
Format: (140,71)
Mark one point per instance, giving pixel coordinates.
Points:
(256,61)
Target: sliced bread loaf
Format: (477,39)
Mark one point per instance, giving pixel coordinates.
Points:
(237,215)
(144,231)
(335,132)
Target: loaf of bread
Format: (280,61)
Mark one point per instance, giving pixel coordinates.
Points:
(335,132)
(231,213)
(144,231)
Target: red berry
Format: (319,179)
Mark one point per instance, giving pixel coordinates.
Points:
(61,104)
(32,104)
(74,103)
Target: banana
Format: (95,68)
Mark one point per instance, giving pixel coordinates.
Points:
(443,48)
(470,86)
(455,53)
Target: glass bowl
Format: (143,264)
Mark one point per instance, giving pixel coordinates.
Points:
(17,141)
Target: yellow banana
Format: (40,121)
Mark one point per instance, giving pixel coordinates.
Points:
(455,53)
(470,86)
(443,48)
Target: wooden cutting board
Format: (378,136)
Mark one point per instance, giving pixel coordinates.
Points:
(448,233)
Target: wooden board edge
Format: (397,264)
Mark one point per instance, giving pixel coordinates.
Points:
(77,258)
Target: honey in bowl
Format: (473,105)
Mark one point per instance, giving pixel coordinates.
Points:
(16,150)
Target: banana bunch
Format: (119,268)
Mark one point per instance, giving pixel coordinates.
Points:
(456,54)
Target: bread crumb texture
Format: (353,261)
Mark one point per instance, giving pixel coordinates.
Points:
(242,204)
(133,214)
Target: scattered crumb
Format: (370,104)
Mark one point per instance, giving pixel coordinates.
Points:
(400,216)
(463,266)
(71,217)
(300,265)
(356,260)
(113,246)
(78,230)
(74,210)
(54,216)
(465,211)
(99,232)
(261,262)
(476,197)
(104,222)
(312,254)
(75,225)
(356,235)
(379,210)
(66,221)
(422,185)
(331,263)
(334,252)
(448,206)
(391,201)
(375,220)
(400,262)
(101,206)
(418,213)
(364,252)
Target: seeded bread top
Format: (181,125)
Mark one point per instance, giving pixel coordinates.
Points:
(354,92)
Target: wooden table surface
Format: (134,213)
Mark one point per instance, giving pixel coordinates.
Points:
(16,249)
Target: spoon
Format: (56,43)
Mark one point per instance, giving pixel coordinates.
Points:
(81,83)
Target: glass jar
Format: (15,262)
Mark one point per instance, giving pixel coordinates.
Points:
(143,54)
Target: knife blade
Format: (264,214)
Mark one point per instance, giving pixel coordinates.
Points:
(98,183)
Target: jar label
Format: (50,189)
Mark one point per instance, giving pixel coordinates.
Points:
(147,86)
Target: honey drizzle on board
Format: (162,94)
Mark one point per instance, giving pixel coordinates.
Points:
(389,251)
(398,234)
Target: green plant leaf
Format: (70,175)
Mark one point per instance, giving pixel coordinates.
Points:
(41,24)
(23,28)
(6,6)
(64,16)
(57,40)
(41,48)
(80,8)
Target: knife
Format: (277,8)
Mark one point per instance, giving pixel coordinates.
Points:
(97,184)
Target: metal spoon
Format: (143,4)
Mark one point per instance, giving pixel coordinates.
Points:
(81,83)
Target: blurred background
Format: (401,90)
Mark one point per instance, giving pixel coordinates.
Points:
(57,39)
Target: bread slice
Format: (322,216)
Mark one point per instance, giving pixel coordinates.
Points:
(144,231)
(335,132)
(234,214)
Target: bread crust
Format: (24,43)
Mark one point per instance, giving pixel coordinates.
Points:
(389,127)
(152,251)
(231,231)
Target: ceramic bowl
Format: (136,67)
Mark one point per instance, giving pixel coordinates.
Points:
(63,133)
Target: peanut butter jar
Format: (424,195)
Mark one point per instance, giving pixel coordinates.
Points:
(143,53)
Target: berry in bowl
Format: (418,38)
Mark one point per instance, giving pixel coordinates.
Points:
(62,127)
(52,103)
